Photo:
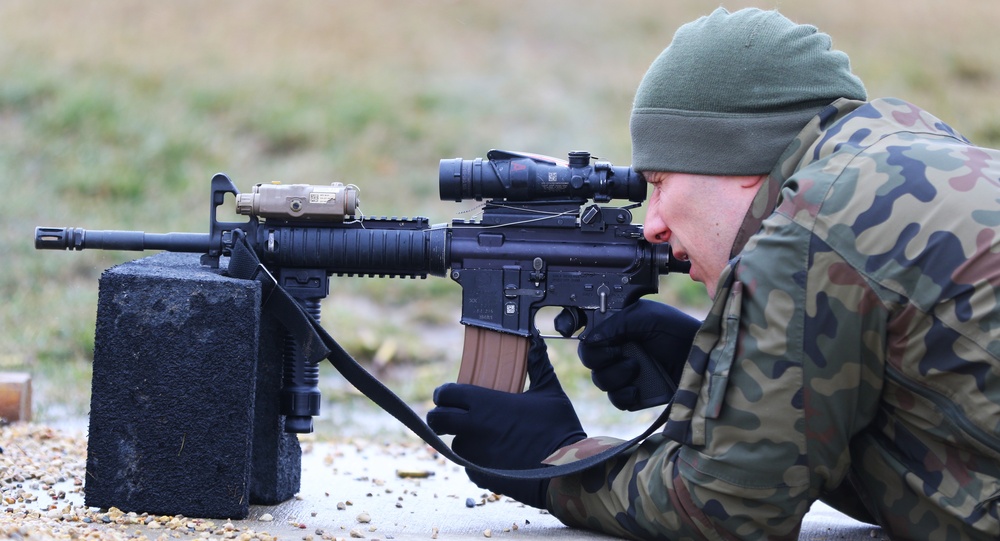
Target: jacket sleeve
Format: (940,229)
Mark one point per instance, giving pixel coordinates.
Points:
(781,376)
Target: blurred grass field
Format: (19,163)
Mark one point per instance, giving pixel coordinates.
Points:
(115,115)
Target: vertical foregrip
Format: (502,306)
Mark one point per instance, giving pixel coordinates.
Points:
(494,360)
(300,394)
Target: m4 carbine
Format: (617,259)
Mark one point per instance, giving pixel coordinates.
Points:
(543,239)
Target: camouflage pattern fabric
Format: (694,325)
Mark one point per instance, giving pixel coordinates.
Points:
(852,353)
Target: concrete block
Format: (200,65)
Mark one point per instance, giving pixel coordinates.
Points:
(15,396)
(183,366)
(277,458)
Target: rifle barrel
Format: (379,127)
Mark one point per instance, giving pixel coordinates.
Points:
(74,238)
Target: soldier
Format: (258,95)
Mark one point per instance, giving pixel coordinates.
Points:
(852,353)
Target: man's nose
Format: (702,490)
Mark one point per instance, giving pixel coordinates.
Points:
(654,229)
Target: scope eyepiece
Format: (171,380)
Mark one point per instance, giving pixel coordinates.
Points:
(518,176)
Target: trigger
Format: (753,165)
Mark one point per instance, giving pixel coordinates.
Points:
(569,321)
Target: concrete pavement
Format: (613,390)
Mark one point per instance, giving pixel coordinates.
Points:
(365,475)
(355,488)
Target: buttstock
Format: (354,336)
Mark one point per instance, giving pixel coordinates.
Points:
(494,359)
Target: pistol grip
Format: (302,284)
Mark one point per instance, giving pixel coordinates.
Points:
(494,359)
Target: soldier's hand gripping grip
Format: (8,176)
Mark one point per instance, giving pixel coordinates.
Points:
(637,355)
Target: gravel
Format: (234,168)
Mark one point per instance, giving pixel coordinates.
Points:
(354,489)
(41,480)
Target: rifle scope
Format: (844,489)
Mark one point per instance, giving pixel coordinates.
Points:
(516,176)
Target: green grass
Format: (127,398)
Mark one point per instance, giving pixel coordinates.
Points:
(116,114)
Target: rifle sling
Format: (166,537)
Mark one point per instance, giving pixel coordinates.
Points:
(317,344)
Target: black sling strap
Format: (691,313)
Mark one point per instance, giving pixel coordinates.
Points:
(316,344)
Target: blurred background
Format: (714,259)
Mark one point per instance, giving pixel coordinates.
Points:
(116,114)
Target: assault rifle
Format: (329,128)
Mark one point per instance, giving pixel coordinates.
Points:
(543,239)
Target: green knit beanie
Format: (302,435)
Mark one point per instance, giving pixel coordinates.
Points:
(731,92)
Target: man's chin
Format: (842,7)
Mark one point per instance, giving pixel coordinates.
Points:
(695,274)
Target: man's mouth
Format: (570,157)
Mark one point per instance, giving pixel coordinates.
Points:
(682,255)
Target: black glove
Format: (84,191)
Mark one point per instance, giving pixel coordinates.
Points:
(637,355)
(503,430)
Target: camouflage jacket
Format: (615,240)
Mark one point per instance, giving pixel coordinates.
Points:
(852,353)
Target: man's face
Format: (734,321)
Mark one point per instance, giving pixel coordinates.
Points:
(699,215)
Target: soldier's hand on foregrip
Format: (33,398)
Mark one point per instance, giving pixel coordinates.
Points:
(637,355)
(504,430)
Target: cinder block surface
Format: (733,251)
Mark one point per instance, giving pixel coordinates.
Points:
(179,370)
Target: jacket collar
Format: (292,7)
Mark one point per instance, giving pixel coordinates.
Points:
(769,194)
